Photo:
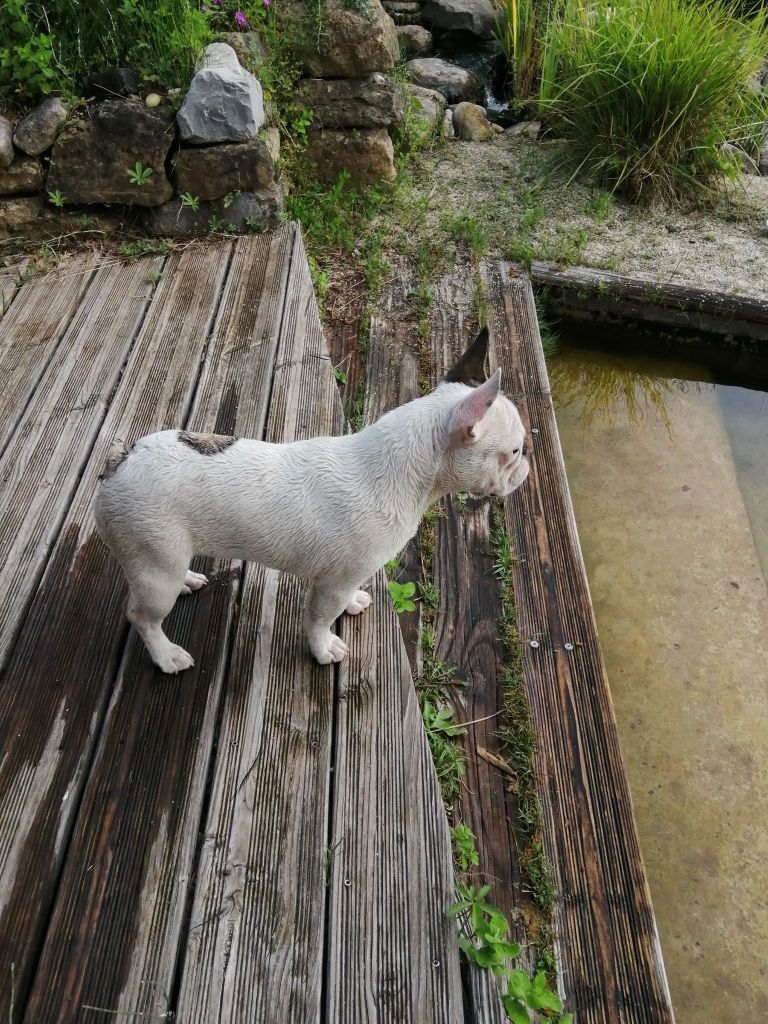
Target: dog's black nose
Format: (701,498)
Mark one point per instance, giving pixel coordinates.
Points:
(525,447)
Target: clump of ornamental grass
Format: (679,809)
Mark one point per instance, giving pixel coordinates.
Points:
(647,92)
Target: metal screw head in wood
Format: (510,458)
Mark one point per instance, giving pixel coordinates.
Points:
(569,647)
(534,643)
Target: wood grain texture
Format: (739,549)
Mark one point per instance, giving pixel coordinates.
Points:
(612,970)
(255,941)
(31,331)
(41,466)
(10,282)
(468,625)
(392,373)
(393,954)
(58,680)
(136,924)
(343,311)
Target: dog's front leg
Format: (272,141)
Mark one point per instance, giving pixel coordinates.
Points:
(327,599)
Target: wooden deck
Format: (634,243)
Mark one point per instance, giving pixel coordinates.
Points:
(262,839)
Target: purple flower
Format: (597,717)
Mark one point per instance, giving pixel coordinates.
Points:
(267,3)
(241,20)
(216,3)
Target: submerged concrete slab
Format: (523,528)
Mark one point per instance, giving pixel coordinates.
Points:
(682,610)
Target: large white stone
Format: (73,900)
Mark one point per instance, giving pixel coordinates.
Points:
(225,103)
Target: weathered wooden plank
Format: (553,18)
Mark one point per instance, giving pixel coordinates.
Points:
(58,680)
(41,466)
(127,912)
(10,281)
(579,291)
(467,627)
(608,945)
(398,362)
(468,630)
(343,315)
(255,941)
(31,331)
(392,954)
(392,377)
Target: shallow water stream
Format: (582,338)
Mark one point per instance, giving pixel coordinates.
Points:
(669,477)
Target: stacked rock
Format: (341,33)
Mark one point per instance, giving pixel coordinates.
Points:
(453,26)
(354,103)
(22,173)
(224,172)
(212,164)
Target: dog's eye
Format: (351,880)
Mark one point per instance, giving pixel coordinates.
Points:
(515,451)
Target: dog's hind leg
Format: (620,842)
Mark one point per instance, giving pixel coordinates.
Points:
(153,592)
(328,598)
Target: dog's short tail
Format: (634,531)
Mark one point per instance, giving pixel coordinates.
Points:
(118,453)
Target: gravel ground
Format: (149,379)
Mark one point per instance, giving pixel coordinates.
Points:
(510,188)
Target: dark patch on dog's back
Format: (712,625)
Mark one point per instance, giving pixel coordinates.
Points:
(118,453)
(206,444)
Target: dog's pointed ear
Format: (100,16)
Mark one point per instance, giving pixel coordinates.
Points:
(470,410)
(470,369)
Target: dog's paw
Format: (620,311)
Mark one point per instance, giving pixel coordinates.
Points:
(174,659)
(329,648)
(193,581)
(360,601)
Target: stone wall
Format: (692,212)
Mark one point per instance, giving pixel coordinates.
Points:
(177,165)
(353,101)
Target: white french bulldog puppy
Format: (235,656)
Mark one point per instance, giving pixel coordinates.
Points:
(330,509)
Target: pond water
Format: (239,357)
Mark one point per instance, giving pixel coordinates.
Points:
(668,470)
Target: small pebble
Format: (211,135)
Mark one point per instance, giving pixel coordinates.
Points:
(153,99)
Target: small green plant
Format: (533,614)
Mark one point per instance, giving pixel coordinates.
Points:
(489,927)
(428,593)
(330,857)
(600,206)
(464,849)
(488,946)
(340,375)
(27,65)
(567,247)
(446,754)
(216,225)
(320,280)
(525,993)
(139,174)
(520,250)
(230,197)
(299,122)
(153,276)
(402,595)
(56,198)
(462,227)
(144,247)
(85,222)
(189,201)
